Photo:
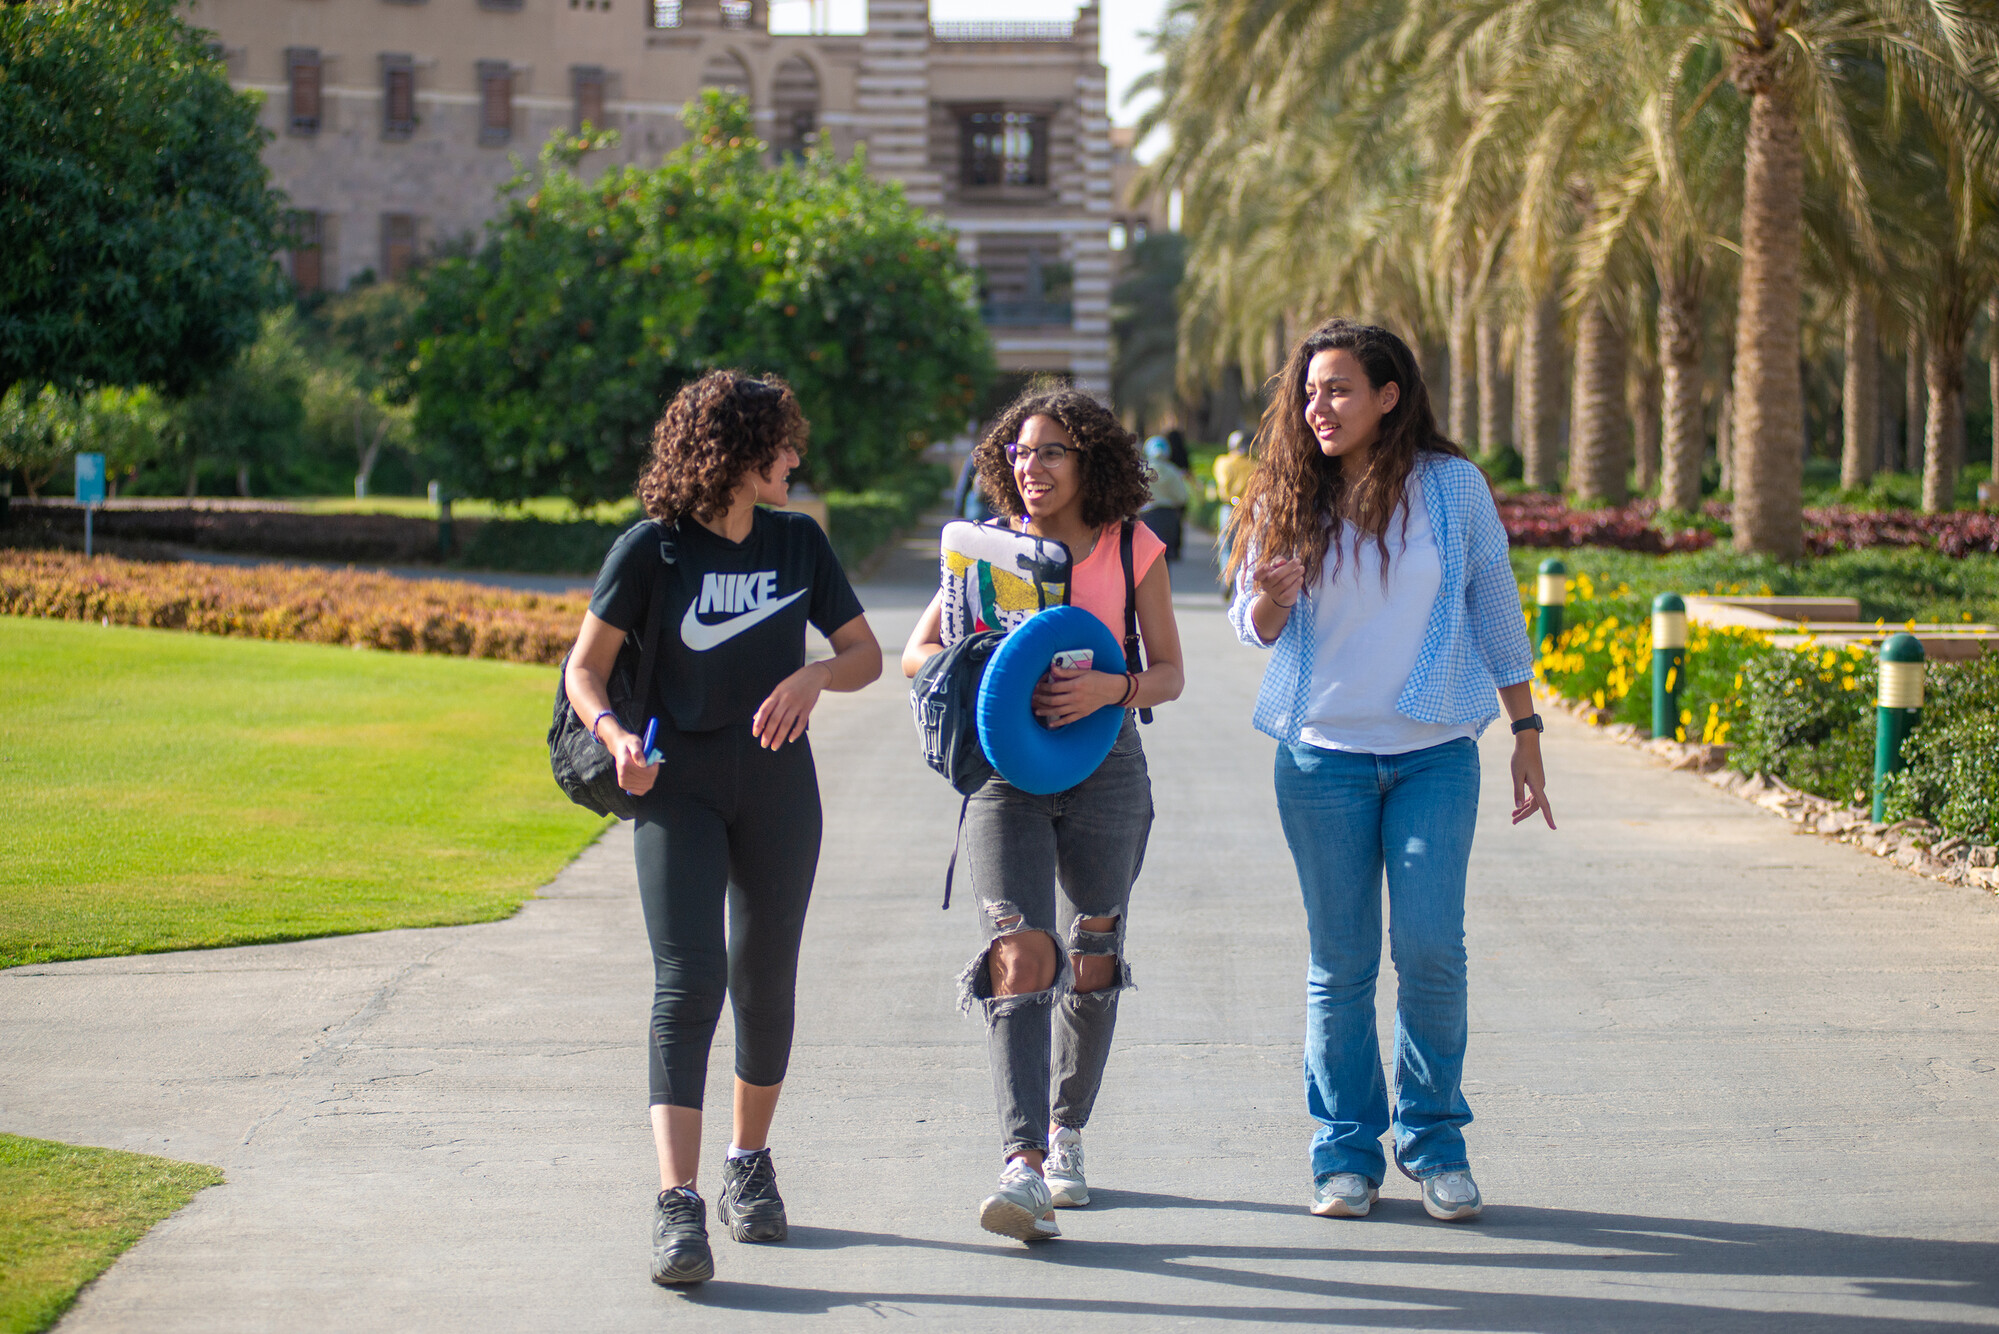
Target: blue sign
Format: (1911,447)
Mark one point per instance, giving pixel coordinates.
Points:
(90,479)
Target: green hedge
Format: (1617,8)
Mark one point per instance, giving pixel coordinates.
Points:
(1952,773)
(861,521)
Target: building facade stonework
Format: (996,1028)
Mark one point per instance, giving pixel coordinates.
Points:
(397,121)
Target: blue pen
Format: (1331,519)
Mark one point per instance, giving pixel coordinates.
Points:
(652,730)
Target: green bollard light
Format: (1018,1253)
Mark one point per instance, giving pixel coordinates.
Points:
(1551,595)
(1901,704)
(1669,663)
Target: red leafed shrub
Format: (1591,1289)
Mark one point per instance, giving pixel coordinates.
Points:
(1542,520)
(310,605)
(1957,533)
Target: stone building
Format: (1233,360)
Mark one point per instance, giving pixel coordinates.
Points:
(397,120)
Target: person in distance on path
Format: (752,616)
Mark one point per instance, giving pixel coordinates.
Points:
(729,815)
(1370,556)
(1053,874)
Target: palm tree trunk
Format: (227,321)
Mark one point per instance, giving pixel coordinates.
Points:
(1685,436)
(1537,385)
(1493,409)
(1943,376)
(1769,398)
(1914,410)
(1890,430)
(1992,373)
(1643,393)
(1724,438)
(1464,359)
(1599,439)
(1862,386)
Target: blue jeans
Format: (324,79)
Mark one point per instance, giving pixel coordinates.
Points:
(1346,817)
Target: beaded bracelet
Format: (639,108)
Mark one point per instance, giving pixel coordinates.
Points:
(607,713)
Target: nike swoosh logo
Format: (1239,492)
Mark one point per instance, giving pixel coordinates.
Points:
(701,637)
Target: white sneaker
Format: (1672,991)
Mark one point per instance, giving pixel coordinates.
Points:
(1064,1169)
(1343,1195)
(1450,1196)
(1020,1208)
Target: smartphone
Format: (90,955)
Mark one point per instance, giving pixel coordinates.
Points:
(1075,659)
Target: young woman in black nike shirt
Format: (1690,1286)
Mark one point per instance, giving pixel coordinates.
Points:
(729,812)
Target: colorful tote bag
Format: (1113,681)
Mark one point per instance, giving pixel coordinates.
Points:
(993,578)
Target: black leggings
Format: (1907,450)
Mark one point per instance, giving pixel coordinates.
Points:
(727,821)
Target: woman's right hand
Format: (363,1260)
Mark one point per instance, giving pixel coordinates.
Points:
(634,774)
(1280,580)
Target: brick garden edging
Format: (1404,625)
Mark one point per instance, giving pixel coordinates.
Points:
(1914,845)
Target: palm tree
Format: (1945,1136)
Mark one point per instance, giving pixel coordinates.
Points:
(1860,396)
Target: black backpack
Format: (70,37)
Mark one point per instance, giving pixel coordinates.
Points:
(582,765)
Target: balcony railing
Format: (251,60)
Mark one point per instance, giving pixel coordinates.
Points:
(1003,30)
(1016,314)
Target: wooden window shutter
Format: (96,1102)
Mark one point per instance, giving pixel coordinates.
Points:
(496,102)
(588,81)
(302,73)
(398,96)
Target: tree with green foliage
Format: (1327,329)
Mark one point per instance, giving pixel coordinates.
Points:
(357,398)
(131,428)
(248,419)
(37,429)
(141,229)
(1145,327)
(544,359)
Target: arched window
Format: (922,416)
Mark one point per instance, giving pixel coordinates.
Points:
(794,97)
(726,71)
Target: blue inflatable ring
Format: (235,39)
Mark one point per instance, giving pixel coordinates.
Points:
(1028,753)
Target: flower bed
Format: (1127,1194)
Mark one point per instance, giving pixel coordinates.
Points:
(1803,717)
(275,602)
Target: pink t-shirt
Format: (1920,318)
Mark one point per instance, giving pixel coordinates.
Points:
(1097,582)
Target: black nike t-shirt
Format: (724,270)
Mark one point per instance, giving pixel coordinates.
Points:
(735,611)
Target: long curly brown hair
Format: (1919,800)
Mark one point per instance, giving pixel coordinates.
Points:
(1115,483)
(1297,494)
(717,431)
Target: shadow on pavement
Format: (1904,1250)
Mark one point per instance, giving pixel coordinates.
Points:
(1635,1248)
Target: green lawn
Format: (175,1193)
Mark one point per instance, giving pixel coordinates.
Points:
(66,1213)
(170,791)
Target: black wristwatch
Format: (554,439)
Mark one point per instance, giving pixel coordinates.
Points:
(1532,720)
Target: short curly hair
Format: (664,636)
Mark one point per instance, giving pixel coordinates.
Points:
(716,431)
(1116,482)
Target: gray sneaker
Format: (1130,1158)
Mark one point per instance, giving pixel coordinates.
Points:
(1343,1195)
(1021,1207)
(1064,1170)
(1451,1196)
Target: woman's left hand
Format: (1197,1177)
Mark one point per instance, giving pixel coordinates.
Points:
(1530,782)
(1069,693)
(783,716)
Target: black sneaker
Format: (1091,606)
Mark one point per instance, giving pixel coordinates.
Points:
(680,1251)
(750,1204)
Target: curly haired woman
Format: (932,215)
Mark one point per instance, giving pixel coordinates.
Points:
(729,813)
(1058,465)
(1371,556)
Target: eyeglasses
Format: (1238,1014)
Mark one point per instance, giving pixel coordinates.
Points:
(1051,455)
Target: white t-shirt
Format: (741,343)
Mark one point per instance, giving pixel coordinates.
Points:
(1369,633)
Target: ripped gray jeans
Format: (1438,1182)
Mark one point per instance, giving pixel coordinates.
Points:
(1042,864)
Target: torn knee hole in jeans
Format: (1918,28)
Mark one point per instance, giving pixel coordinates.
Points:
(1087,944)
(975,986)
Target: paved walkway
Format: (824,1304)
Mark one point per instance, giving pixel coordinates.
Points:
(1727,1077)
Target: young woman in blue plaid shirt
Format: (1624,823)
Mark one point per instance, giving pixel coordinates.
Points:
(1372,561)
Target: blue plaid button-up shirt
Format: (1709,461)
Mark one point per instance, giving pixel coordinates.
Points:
(1476,639)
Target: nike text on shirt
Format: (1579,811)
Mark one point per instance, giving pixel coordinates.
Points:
(736,592)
